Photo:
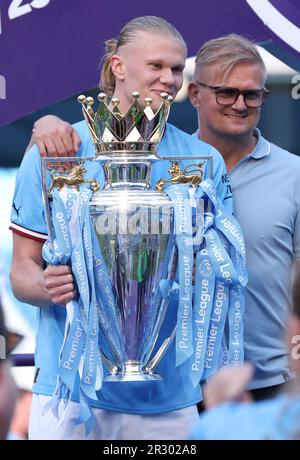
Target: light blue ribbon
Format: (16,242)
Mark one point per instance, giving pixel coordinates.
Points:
(92,363)
(72,352)
(219,280)
(234,274)
(203,302)
(230,228)
(184,239)
(80,353)
(59,252)
(236,328)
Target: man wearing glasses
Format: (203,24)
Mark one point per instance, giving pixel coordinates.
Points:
(228,92)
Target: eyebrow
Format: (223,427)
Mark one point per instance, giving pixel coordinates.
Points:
(179,66)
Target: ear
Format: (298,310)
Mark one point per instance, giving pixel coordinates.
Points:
(194,94)
(117,66)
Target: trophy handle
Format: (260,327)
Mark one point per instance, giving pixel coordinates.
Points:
(45,174)
(160,353)
(113,369)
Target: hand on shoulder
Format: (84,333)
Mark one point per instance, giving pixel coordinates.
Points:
(55,137)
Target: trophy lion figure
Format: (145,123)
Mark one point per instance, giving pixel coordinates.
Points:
(74,179)
(182,176)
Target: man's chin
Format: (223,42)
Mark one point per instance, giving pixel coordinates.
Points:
(237,131)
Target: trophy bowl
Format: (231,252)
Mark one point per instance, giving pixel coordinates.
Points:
(132,263)
(134,229)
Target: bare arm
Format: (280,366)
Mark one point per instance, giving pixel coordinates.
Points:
(33,285)
(54,137)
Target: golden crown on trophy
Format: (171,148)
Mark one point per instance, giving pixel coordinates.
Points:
(140,129)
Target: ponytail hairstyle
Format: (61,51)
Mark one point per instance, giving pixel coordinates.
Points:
(149,24)
(107,79)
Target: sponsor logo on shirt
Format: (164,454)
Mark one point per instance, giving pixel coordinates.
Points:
(226,181)
(16,209)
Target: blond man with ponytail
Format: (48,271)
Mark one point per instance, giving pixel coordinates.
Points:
(149,57)
(54,137)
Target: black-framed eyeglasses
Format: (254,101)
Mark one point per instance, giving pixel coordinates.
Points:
(226,95)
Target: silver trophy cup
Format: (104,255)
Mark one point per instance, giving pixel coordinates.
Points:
(133,225)
(134,228)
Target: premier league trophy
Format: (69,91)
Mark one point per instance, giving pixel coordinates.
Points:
(133,225)
(133,234)
(130,244)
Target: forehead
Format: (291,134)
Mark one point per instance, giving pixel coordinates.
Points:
(156,46)
(242,75)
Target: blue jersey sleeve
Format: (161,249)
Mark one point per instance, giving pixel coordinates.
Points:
(27,213)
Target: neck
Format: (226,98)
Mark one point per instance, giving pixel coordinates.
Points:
(124,104)
(232,149)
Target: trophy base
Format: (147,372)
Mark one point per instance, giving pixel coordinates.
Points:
(132,371)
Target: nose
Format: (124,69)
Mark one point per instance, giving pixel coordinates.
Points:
(239,103)
(167,77)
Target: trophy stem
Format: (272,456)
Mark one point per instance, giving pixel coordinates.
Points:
(132,371)
(128,173)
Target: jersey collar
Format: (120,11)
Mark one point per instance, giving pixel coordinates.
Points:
(262,148)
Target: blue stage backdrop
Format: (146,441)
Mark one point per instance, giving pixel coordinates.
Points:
(50,49)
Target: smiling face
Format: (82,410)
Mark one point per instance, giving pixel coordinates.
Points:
(150,64)
(236,121)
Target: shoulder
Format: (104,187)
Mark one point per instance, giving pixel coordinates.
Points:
(31,162)
(86,149)
(81,128)
(195,145)
(285,158)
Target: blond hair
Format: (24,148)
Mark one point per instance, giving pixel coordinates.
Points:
(227,51)
(150,24)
